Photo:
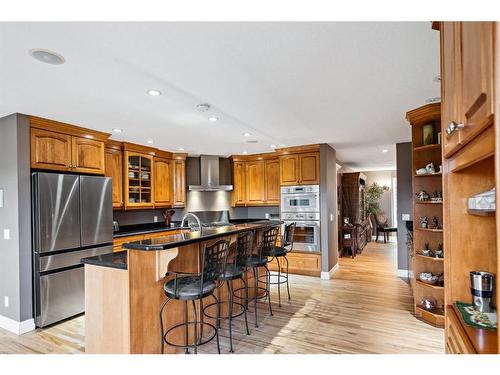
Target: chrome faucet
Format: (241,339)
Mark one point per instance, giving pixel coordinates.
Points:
(195,217)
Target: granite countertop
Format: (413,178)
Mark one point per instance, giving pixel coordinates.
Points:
(113,260)
(132,230)
(181,239)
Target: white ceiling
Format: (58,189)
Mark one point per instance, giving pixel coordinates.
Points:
(344,83)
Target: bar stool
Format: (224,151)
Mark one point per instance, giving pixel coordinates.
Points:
(255,261)
(281,252)
(236,268)
(192,287)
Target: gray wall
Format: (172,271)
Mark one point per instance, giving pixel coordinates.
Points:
(328,207)
(404,198)
(15,263)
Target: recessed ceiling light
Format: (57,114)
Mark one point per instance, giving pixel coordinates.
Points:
(153,92)
(116,130)
(46,56)
(385,150)
(247,134)
(213,119)
(203,107)
(245,152)
(150,142)
(252,141)
(181,149)
(273,146)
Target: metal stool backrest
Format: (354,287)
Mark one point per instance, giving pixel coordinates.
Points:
(244,248)
(214,261)
(268,241)
(287,239)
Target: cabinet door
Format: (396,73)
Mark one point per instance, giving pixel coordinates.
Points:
(309,168)
(50,150)
(450,85)
(272,182)
(113,163)
(179,183)
(477,77)
(239,188)
(87,155)
(289,170)
(139,177)
(163,184)
(256,187)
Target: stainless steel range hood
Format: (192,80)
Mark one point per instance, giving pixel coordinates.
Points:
(209,175)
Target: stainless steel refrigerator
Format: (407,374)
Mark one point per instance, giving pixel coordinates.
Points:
(72,219)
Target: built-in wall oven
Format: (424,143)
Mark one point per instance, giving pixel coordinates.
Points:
(300,205)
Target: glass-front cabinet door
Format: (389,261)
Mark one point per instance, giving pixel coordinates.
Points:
(138,177)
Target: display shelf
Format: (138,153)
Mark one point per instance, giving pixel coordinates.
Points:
(481,212)
(428,285)
(434,259)
(429,230)
(427,147)
(428,202)
(428,175)
(435,317)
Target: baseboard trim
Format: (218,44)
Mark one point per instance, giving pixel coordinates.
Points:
(403,273)
(328,275)
(16,327)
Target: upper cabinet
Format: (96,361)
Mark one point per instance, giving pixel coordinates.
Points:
(238,195)
(255,182)
(163,182)
(300,169)
(272,177)
(63,147)
(179,181)
(467,81)
(138,173)
(113,162)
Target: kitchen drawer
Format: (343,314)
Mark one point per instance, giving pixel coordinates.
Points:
(300,264)
(118,242)
(457,341)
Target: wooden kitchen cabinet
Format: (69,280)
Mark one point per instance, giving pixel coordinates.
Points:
(113,167)
(309,168)
(163,182)
(289,170)
(467,81)
(299,263)
(238,195)
(179,183)
(138,174)
(50,150)
(300,169)
(255,182)
(64,147)
(87,155)
(272,177)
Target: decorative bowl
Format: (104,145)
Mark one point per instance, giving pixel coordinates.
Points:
(428,303)
(428,278)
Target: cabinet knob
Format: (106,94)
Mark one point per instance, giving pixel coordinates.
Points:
(453,126)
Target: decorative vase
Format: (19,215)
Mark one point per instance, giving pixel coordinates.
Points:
(428,134)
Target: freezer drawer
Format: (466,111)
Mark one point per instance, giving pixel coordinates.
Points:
(53,262)
(96,210)
(61,296)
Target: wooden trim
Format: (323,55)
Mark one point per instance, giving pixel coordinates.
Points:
(297,149)
(139,148)
(61,127)
(114,145)
(179,155)
(436,25)
(425,114)
(276,153)
(164,154)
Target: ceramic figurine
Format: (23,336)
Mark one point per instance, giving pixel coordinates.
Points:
(421,171)
(424,222)
(430,168)
(426,251)
(440,169)
(422,196)
(439,252)
(435,223)
(437,196)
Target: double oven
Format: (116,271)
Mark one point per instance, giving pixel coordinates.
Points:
(300,205)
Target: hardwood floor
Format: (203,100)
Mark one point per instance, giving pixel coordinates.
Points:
(365,308)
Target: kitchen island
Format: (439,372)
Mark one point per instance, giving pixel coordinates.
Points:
(124,290)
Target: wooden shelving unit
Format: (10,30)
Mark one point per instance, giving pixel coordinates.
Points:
(422,155)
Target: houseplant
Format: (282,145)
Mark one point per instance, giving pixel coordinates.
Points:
(373,194)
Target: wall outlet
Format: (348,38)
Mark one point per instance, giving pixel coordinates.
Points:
(267,216)
(6,234)
(405,217)
(6,301)
(331,217)
(156,219)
